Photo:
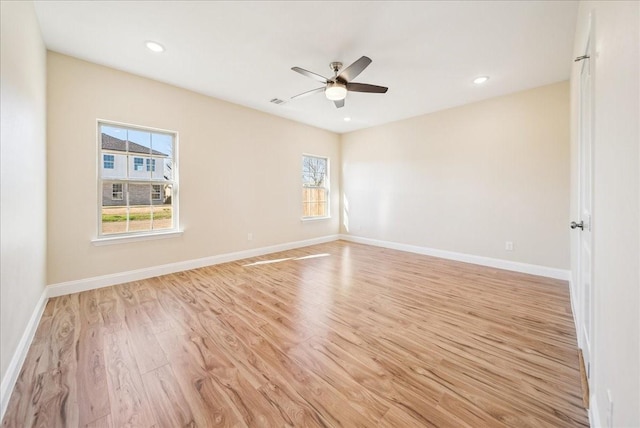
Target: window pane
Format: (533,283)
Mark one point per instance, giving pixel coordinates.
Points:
(114,220)
(140,207)
(114,208)
(114,131)
(140,218)
(314,171)
(139,149)
(162,151)
(162,209)
(139,194)
(139,141)
(114,142)
(166,169)
(162,145)
(314,202)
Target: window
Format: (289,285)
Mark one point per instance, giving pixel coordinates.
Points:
(315,187)
(116,192)
(139,191)
(156,192)
(138,163)
(108,161)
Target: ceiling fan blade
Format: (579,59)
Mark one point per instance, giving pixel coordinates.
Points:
(311,74)
(364,87)
(339,103)
(311,92)
(350,73)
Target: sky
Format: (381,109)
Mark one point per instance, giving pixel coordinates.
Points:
(155,140)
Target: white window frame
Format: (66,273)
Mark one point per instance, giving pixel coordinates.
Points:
(114,238)
(326,187)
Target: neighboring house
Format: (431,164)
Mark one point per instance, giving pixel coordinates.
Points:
(125,162)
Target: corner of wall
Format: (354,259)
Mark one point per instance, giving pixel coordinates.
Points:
(23,196)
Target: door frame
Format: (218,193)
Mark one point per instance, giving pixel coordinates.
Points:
(579,308)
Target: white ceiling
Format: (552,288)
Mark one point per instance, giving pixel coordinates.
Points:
(427,53)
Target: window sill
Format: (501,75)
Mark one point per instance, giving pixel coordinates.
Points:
(111,240)
(315,218)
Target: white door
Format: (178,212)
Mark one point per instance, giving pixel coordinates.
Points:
(584,224)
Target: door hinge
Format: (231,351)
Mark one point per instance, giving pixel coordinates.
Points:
(580,58)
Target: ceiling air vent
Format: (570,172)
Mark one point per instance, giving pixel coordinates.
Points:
(277,101)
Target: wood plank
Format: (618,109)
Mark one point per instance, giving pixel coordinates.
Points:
(191,359)
(55,401)
(251,406)
(127,395)
(165,397)
(146,349)
(92,377)
(103,422)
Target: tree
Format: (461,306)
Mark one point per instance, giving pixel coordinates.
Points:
(314,171)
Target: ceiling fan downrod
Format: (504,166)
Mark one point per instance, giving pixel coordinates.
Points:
(335,66)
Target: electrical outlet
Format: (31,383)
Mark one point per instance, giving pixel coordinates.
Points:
(609,409)
(249,236)
(508,246)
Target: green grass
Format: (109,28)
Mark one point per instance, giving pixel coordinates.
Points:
(164,214)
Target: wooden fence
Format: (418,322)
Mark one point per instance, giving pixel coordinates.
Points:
(314,202)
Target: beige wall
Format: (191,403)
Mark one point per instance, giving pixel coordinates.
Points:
(240,171)
(23,166)
(467,179)
(616,209)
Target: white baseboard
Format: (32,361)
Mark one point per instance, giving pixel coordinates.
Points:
(77,286)
(15,365)
(467,258)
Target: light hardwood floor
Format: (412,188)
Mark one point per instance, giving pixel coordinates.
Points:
(338,334)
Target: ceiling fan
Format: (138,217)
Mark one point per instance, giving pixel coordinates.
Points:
(336,88)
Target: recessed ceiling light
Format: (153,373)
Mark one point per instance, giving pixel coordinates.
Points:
(347,119)
(480,80)
(154,46)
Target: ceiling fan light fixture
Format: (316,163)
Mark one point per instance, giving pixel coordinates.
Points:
(336,91)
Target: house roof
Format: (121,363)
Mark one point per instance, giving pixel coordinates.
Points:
(116,144)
